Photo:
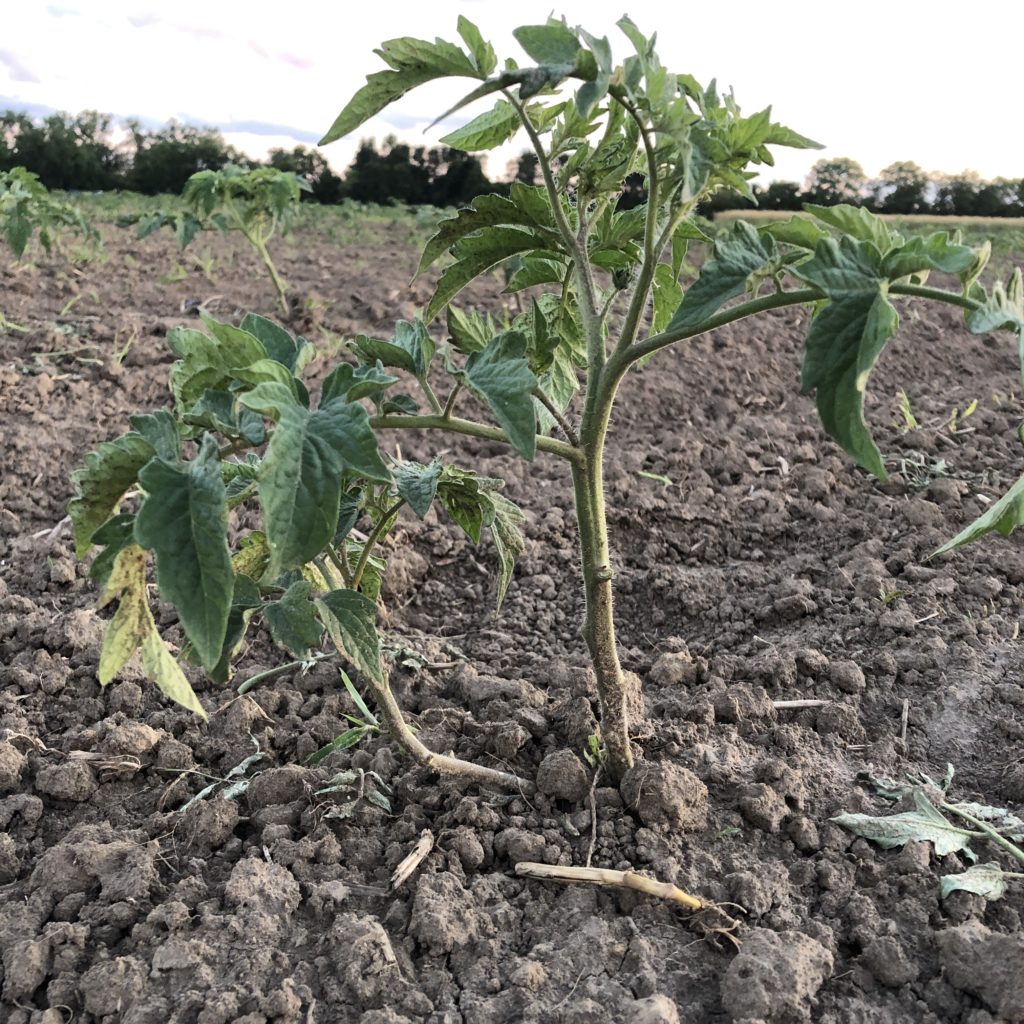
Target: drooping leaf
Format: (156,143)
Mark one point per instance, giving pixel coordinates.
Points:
(132,627)
(508,540)
(114,535)
(351,620)
(988,880)
(843,344)
(924,824)
(292,620)
(417,484)
(109,472)
(206,361)
(1003,517)
(307,455)
(501,376)
(245,602)
(724,276)
(184,520)
(161,431)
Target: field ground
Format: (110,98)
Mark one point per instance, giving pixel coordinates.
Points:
(740,534)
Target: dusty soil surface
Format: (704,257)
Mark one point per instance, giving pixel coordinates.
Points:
(768,569)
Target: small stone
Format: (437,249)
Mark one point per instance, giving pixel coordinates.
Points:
(847,676)
(656,1009)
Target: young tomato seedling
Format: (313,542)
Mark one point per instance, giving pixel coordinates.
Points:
(256,203)
(26,206)
(606,297)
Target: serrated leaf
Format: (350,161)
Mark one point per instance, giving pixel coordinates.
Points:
(1004,308)
(486,131)
(508,540)
(411,349)
(501,376)
(548,44)
(1003,518)
(307,455)
(535,271)
(988,880)
(723,277)
(461,495)
(526,206)
(417,484)
(184,519)
(843,344)
(799,231)
(843,267)
(779,135)
(292,620)
(924,824)
(132,627)
(109,472)
(470,331)
(931,252)
(209,362)
(481,51)
(351,620)
(355,382)
(668,294)
(858,223)
(220,411)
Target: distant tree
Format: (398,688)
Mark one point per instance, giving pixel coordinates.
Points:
(840,180)
(902,187)
(164,160)
(779,195)
(526,168)
(309,164)
(957,194)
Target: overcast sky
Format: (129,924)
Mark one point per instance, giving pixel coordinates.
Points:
(877,81)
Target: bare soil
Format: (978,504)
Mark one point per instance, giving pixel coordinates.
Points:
(769,568)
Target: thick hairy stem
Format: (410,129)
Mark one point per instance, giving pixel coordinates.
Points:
(598,622)
(443,764)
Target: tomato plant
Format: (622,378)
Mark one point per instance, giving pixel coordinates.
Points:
(27,207)
(256,203)
(605,297)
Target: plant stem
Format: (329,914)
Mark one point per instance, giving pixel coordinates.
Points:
(431,397)
(340,565)
(444,764)
(276,671)
(375,534)
(450,404)
(563,424)
(550,445)
(282,291)
(990,833)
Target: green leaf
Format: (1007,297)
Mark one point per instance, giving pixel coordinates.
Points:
(534,271)
(798,231)
(501,376)
(1004,308)
(508,540)
(779,135)
(842,267)
(17,232)
(184,519)
(931,252)
(355,382)
(988,880)
(526,206)
(357,699)
(924,824)
(464,497)
(351,620)
(160,430)
(858,223)
(292,620)
(490,129)
(668,294)
(843,344)
(293,353)
(114,535)
(132,627)
(470,331)
(245,601)
(207,362)
(476,255)
(481,51)
(220,411)
(723,277)
(417,484)
(411,349)
(349,738)
(107,475)
(300,483)
(1003,518)
(548,44)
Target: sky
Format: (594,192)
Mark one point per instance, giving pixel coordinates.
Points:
(876,81)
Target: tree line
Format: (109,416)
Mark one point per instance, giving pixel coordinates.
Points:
(87,152)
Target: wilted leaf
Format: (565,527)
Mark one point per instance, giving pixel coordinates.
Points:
(292,620)
(351,620)
(925,824)
(988,880)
